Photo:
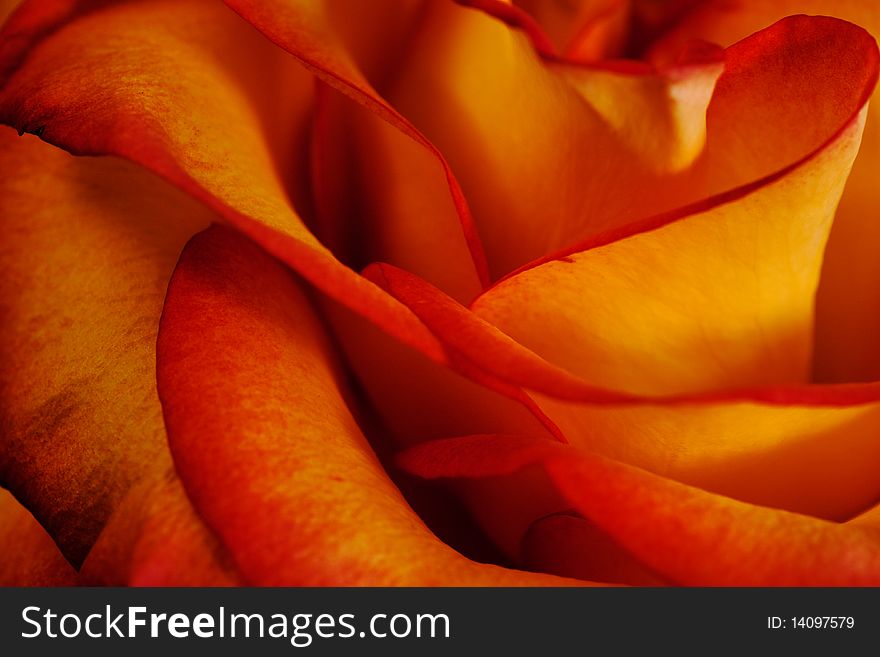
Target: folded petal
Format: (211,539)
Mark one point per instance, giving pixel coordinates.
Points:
(418,399)
(518,131)
(550,153)
(312,32)
(369,36)
(169,142)
(370,177)
(822,461)
(870,518)
(190,92)
(721,297)
(601,34)
(265,443)
(806,448)
(677,98)
(477,348)
(381,196)
(415,396)
(30,556)
(848,302)
(690,536)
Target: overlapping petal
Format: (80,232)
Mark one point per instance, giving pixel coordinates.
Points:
(554,111)
(805,448)
(551,153)
(848,304)
(818,460)
(691,536)
(310,32)
(265,443)
(159,83)
(787,456)
(90,245)
(418,399)
(366,205)
(170,141)
(272,431)
(155,538)
(718,298)
(540,164)
(391,205)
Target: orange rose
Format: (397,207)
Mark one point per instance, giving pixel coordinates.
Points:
(567,258)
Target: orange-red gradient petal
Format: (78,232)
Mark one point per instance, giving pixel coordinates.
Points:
(155,538)
(848,303)
(381,196)
(721,298)
(686,534)
(551,153)
(182,75)
(264,441)
(90,245)
(311,32)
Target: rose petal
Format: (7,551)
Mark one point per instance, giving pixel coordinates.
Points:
(366,203)
(822,461)
(203,66)
(418,399)
(90,245)
(517,131)
(848,308)
(482,352)
(870,518)
(84,438)
(415,396)
(800,452)
(603,35)
(516,17)
(177,85)
(309,32)
(722,298)
(569,152)
(691,536)
(265,443)
(808,448)
(30,557)
(155,538)
(481,344)
(800,458)
(476,348)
